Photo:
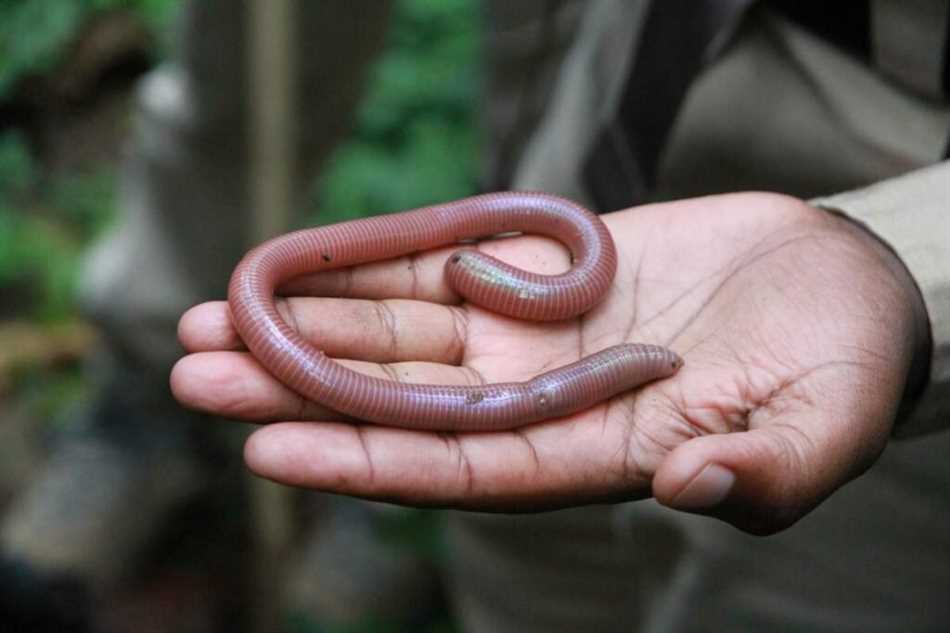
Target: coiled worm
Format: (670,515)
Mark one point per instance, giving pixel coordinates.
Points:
(478,278)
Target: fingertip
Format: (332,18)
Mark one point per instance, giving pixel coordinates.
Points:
(692,480)
(262,451)
(186,383)
(176,381)
(758,480)
(188,325)
(320,456)
(221,383)
(280,452)
(207,326)
(704,490)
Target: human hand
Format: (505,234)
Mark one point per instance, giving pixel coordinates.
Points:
(797,327)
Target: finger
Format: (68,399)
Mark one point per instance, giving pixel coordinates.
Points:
(545,466)
(416,276)
(420,276)
(208,326)
(379,331)
(434,335)
(234,385)
(764,479)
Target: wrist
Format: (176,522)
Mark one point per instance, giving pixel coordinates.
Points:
(918,336)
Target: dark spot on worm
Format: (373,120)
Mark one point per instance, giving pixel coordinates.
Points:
(455,258)
(326,256)
(474,398)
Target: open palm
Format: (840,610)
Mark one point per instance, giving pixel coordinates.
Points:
(798,330)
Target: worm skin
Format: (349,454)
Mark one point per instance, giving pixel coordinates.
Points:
(479,278)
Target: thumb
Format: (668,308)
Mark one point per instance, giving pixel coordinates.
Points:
(763,480)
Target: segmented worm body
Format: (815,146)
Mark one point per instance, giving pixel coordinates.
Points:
(477,277)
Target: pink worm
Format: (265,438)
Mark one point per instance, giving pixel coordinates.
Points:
(477,277)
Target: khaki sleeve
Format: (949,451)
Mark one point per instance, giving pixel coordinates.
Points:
(912,214)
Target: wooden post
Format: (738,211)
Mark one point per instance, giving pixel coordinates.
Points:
(272,168)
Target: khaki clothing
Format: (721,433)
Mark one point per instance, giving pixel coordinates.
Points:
(780,110)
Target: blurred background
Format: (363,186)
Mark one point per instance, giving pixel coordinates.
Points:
(146,144)
(69,72)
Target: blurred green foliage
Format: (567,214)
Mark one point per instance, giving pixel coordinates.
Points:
(45,224)
(415,140)
(35,33)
